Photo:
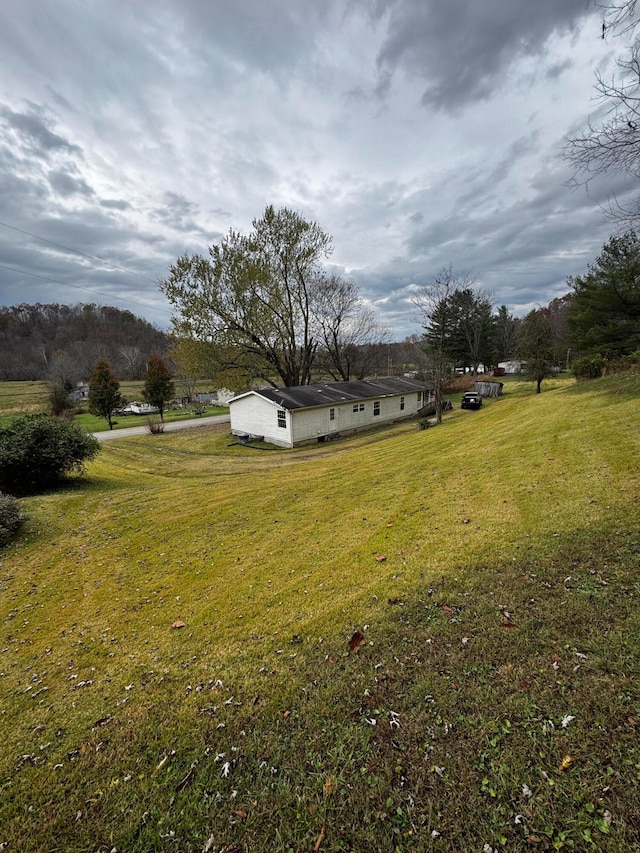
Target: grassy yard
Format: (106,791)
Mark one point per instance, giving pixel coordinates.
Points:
(176,672)
(18,398)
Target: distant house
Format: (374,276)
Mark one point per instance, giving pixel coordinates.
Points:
(80,392)
(305,413)
(511,367)
(142,408)
(220,397)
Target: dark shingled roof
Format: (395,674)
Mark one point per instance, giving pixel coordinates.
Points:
(323,393)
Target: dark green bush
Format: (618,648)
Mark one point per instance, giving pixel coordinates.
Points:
(589,367)
(39,451)
(10,518)
(59,400)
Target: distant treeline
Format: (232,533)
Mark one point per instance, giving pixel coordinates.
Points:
(61,343)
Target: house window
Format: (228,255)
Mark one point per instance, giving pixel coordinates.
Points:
(282,418)
(376,408)
(358,407)
(402,404)
(420,397)
(362,407)
(332,414)
(355,407)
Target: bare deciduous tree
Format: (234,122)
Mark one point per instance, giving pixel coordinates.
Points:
(132,360)
(613,146)
(349,330)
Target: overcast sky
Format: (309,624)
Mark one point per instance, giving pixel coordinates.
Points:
(418,133)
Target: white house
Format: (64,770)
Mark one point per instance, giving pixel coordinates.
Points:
(306,413)
(142,409)
(513,366)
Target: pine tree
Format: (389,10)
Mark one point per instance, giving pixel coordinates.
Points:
(158,384)
(104,392)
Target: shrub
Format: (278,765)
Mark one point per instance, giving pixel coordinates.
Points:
(589,367)
(458,384)
(10,518)
(155,426)
(39,451)
(59,401)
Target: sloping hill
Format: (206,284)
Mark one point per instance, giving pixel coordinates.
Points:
(490,566)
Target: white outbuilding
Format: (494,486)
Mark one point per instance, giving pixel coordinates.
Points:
(291,416)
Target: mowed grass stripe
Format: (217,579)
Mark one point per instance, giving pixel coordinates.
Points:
(269,554)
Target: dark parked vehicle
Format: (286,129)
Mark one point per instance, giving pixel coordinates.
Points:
(471,400)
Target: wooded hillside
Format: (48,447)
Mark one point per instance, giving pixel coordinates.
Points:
(63,342)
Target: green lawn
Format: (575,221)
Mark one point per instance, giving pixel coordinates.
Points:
(491,565)
(18,398)
(94,424)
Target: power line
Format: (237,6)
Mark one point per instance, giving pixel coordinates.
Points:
(76,252)
(78,287)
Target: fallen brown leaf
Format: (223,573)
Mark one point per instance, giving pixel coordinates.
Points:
(381,558)
(447,609)
(178,624)
(356,642)
(241,814)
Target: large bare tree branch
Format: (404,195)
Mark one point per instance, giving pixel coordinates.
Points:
(613,147)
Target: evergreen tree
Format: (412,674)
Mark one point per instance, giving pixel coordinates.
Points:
(604,315)
(158,384)
(504,334)
(104,392)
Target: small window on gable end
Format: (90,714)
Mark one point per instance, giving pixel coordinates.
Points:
(282,418)
(332,414)
(402,404)
(376,407)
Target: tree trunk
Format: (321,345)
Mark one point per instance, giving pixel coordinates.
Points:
(438,392)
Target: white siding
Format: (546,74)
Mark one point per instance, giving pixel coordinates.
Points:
(253,414)
(256,416)
(313,423)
